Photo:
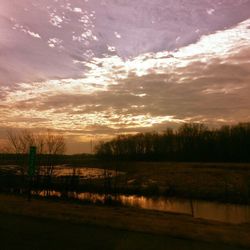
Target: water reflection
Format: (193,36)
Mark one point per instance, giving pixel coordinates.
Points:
(61,170)
(160,204)
(83,172)
(229,213)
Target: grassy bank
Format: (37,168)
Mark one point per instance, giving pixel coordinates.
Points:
(213,181)
(29,233)
(131,219)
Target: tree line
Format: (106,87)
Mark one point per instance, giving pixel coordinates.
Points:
(190,142)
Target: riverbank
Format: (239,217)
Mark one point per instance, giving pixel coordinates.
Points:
(131,219)
(223,182)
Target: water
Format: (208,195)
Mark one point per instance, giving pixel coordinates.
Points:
(61,170)
(82,172)
(229,213)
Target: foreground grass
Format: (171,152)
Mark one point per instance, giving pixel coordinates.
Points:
(146,225)
(26,233)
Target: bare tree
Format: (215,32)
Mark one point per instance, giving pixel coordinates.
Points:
(53,144)
(4,147)
(48,143)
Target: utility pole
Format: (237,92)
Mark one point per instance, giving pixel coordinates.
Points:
(91,146)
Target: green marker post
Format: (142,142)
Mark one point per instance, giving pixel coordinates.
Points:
(32,161)
(32,168)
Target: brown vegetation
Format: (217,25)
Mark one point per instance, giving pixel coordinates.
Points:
(130,219)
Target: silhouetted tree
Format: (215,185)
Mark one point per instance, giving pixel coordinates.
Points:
(48,145)
(191,142)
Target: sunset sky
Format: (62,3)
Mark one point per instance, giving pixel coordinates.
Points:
(93,69)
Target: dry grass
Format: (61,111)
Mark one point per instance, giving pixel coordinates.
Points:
(212,181)
(129,219)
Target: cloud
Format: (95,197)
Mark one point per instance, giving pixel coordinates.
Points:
(42,40)
(196,83)
(107,67)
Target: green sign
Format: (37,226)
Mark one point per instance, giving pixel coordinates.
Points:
(32,161)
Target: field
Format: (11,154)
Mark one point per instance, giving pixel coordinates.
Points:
(226,182)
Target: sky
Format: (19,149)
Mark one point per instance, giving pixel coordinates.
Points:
(93,69)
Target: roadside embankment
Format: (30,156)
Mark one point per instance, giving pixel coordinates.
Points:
(131,219)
